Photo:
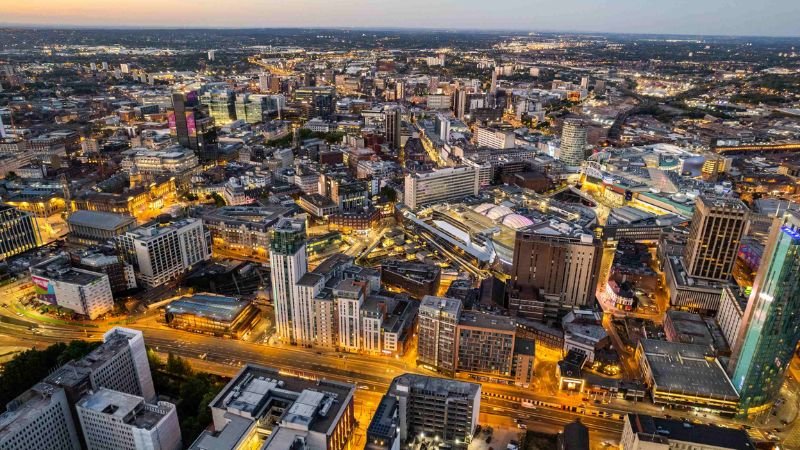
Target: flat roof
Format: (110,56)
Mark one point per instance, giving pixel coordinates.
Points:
(121,406)
(216,307)
(687,369)
(678,430)
(486,320)
(255,387)
(101,220)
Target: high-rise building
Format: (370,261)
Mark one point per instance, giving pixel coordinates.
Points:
(221,105)
(440,185)
(770,328)
(716,229)
(438,409)
(393,124)
(190,123)
(436,330)
(269,410)
(289,263)
(19,232)
(555,267)
(162,252)
(112,419)
(573,143)
(39,419)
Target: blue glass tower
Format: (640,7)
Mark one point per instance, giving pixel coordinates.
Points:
(771,322)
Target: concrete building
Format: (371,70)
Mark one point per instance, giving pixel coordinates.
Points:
(39,419)
(573,143)
(643,432)
(243,230)
(555,268)
(163,252)
(94,227)
(494,138)
(436,408)
(116,420)
(717,227)
(437,333)
(382,433)
(440,185)
(732,306)
(173,160)
(84,292)
(19,232)
(485,344)
(685,375)
(262,408)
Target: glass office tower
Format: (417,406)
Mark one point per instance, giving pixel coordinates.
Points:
(771,324)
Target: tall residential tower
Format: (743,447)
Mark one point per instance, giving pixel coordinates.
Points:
(287,255)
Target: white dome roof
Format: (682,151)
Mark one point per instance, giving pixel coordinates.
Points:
(498,212)
(483,207)
(516,221)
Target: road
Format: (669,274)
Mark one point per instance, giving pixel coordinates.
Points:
(372,374)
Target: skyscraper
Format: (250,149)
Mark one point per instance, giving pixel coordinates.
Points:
(770,327)
(393,124)
(717,227)
(18,232)
(573,142)
(191,124)
(287,255)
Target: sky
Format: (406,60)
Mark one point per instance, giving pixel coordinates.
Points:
(708,17)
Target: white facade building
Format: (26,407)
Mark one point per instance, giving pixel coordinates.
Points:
(493,138)
(119,421)
(289,262)
(172,160)
(39,419)
(85,292)
(162,252)
(573,143)
(441,185)
(349,296)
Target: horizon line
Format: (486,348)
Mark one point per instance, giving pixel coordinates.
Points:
(56,27)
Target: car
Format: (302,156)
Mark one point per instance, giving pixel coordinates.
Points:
(522,426)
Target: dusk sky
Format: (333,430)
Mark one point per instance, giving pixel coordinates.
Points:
(728,17)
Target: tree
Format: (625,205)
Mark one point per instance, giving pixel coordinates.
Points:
(30,366)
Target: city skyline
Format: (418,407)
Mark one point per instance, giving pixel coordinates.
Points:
(626,17)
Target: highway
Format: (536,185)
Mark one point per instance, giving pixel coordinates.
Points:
(372,374)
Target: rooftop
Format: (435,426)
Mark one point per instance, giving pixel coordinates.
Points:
(687,368)
(310,404)
(98,219)
(216,307)
(439,386)
(127,408)
(677,430)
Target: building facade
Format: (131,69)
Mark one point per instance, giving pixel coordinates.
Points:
(161,253)
(770,328)
(19,232)
(441,185)
(716,229)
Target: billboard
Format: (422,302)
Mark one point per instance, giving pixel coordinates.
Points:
(44,289)
(171,120)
